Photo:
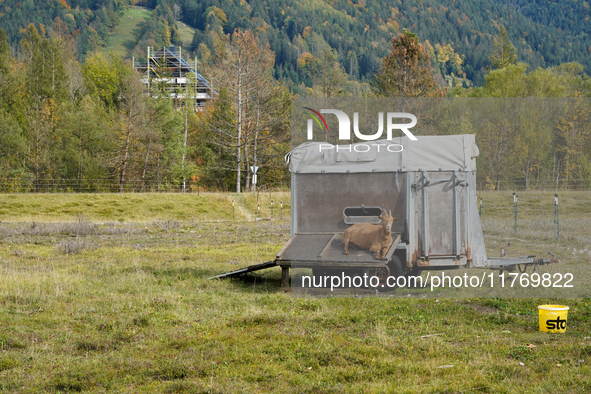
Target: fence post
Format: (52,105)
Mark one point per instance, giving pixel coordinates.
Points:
(480,208)
(556,216)
(281,212)
(232,210)
(271,209)
(515,210)
(555,206)
(258,211)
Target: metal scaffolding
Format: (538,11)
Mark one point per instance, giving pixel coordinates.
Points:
(167,73)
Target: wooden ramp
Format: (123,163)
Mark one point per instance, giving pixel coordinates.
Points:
(250,268)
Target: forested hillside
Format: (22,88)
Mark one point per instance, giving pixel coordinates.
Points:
(545,33)
(74,116)
(459,34)
(88,21)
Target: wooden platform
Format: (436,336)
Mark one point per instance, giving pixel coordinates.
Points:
(310,250)
(326,250)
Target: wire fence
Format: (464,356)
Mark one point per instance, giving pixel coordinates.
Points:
(535,184)
(110,185)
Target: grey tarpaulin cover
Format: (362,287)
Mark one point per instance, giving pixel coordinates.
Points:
(428,153)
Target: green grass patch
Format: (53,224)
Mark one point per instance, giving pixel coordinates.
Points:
(186,33)
(534,203)
(123,208)
(127,33)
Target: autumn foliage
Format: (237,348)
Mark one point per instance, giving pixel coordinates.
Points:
(406,71)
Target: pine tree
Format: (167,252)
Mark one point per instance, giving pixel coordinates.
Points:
(504,53)
(328,76)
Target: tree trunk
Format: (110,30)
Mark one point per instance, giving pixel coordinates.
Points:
(146,164)
(220,171)
(246,169)
(498,163)
(254,153)
(125,153)
(527,166)
(239,139)
(80,160)
(36,164)
(185,144)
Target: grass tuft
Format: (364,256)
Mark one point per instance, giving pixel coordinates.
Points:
(8,362)
(169,369)
(69,383)
(522,353)
(7,343)
(75,246)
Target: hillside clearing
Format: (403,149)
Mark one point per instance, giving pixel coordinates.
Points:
(126,34)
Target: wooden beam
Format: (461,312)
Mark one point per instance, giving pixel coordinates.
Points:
(284,277)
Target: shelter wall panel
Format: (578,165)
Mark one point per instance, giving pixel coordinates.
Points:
(322,198)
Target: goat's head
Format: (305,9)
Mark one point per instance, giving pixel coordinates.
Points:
(387,220)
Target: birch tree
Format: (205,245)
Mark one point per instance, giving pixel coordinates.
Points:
(242,68)
(131,120)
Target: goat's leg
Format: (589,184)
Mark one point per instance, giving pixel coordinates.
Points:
(376,250)
(346,238)
(384,251)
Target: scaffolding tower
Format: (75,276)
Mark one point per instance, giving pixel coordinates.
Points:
(166,72)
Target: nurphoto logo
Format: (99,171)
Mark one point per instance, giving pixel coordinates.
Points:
(345,124)
(345,129)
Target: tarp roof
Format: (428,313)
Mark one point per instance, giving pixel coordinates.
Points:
(428,153)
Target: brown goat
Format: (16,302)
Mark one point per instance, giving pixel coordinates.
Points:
(375,237)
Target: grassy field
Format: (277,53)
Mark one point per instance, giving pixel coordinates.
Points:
(109,293)
(141,208)
(127,33)
(186,32)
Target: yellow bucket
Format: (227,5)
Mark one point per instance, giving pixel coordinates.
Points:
(553,318)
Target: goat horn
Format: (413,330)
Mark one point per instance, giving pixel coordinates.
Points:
(390,212)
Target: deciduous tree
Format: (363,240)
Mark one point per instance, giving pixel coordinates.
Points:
(243,71)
